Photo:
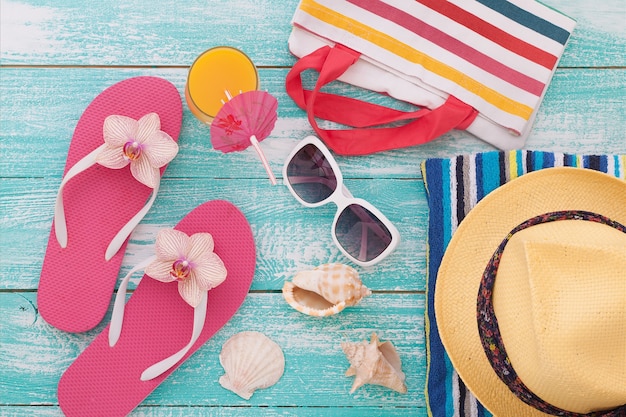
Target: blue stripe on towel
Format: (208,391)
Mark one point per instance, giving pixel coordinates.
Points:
(520,163)
(548,159)
(480,189)
(436,362)
(446,201)
(490,172)
(537,161)
(570,160)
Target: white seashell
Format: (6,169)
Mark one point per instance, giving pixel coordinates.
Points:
(374,363)
(251,361)
(325,290)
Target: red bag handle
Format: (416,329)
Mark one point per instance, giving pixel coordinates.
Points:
(331,63)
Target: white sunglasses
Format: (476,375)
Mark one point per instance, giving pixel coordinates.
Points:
(359,229)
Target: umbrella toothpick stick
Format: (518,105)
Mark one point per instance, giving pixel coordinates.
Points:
(245,119)
(266,165)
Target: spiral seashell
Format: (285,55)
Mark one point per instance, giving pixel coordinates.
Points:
(325,290)
(374,362)
(251,361)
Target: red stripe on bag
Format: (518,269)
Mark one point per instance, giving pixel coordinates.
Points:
(453,45)
(491,32)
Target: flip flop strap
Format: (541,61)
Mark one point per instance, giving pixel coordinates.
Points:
(117,319)
(199,316)
(60,225)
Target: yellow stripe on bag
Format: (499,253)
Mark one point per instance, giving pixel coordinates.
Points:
(403,50)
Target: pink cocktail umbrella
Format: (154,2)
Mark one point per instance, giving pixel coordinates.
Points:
(245,120)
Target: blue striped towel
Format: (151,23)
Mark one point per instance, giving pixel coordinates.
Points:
(453,187)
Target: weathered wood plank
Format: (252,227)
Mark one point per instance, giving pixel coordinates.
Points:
(315,363)
(40,32)
(583,112)
(289,237)
(203,411)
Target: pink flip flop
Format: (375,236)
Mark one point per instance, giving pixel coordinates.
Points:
(153,335)
(120,148)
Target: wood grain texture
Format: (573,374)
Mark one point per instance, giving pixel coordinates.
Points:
(166,33)
(583,111)
(315,363)
(56,56)
(242,411)
(289,237)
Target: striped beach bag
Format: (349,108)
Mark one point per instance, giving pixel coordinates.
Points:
(478,65)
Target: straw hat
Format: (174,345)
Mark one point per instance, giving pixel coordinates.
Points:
(559,294)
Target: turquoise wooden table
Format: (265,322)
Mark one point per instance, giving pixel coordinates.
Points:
(56,56)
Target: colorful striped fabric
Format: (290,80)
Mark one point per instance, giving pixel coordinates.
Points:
(496,55)
(454,186)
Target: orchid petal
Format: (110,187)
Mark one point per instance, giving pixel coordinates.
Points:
(117,130)
(160,149)
(144,172)
(190,291)
(146,126)
(201,246)
(112,157)
(171,245)
(160,270)
(210,273)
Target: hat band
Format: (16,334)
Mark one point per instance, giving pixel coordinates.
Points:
(489,331)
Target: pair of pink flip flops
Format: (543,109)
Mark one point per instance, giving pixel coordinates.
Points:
(120,148)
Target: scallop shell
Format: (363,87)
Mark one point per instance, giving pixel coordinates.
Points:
(325,290)
(251,361)
(375,363)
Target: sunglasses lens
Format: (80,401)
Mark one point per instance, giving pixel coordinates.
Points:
(361,233)
(310,175)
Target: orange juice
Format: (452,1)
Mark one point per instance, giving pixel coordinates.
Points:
(215,72)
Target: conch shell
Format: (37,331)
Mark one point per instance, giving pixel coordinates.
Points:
(251,361)
(375,363)
(325,290)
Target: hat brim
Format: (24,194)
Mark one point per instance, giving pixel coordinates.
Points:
(474,242)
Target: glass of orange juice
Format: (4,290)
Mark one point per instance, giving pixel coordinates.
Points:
(216,74)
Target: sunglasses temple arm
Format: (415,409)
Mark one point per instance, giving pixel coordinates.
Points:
(363,252)
(365,218)
(302,180)
(368,224)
